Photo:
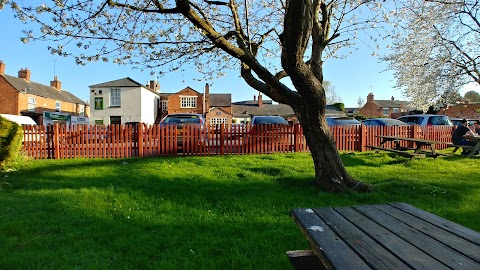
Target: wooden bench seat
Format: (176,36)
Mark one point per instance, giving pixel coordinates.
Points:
(399,152)
(458,146)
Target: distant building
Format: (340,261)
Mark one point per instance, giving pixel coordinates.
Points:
(467,110)
(383,108)
(45,104)
(216,108)
(243,111)
(124,100)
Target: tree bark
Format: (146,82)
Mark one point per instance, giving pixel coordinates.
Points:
(330,173)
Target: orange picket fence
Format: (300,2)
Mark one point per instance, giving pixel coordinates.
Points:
(121,141)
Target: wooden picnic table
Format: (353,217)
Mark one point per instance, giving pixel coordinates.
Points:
(475,148)
(388,236)
(419,151)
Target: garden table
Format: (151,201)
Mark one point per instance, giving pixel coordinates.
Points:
(387,236)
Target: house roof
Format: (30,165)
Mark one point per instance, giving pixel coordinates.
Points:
(41,90)
(125,82)
(220,100)
(389,103)
(274,109)
(252,102)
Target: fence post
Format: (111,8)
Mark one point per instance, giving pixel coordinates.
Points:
(56,141)
(222,139)
(362,139)
(295,137)
(140,139)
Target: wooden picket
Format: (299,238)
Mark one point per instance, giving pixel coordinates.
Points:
(122,141)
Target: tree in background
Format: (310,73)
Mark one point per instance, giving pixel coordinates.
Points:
(435,50)
(472,96)
(360,102)
(330,93)
(266,41)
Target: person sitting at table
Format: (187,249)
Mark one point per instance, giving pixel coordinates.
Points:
(461,132)
(476,124)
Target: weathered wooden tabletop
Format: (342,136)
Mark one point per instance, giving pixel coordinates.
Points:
(391,236)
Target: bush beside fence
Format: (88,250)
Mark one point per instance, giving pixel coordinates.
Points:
(121,141)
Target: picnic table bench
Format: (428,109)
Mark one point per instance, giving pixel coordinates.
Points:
(472,149)
(419,151)
(388,236)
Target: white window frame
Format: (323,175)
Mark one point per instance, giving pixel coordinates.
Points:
(188,101)
(396,110)
(164,104)
(81,110)
(115,98)
(386,111)
(217,121)
(58,106)
(32,104)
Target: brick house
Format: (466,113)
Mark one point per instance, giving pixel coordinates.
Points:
(44,104)
(382,108)
(462,110)
(216,108)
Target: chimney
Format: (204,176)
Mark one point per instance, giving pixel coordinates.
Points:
(154,85)
(2,68)
(260,100)
(392,99)
(254,97)
(206,96)
(56,84)
(370,97)
(207,89)
(24,74)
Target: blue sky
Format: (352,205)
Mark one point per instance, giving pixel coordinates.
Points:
(353,77)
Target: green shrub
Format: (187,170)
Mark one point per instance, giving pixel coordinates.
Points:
(339,106)
(11,135)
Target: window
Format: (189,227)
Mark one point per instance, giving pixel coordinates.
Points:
(395,110)
(58,106)
(188,102)
(115,120)
(218,121)
(385,111)
(32,104)
(115,98)
(164,106)
(81,110)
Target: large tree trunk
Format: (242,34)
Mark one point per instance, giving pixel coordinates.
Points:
(330,173)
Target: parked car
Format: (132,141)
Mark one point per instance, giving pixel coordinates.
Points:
(342,121)
(383,122)
(195,122)
(269,120)
(426,120)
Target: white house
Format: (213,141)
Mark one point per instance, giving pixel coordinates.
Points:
(122,101)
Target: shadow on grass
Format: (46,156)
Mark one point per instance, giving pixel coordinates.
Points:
(78,213)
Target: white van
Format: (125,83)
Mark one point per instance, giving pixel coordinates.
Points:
(19,119)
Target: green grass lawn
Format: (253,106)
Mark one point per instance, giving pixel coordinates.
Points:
(221,212)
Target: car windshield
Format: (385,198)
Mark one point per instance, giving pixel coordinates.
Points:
(258,120)
(182,119)
(413,120)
